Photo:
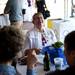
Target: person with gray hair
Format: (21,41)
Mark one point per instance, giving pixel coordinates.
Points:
(39,36)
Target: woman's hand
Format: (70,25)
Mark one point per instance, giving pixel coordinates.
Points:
(30,50)
(31,59)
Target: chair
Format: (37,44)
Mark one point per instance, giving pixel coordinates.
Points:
(50,23)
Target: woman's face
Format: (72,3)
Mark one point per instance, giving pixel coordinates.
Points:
(38,21)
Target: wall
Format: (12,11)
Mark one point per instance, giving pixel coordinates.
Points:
(59,8)
(2,5)
(30,10)
(64,27)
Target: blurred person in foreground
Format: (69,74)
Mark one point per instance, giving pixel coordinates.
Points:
(14,9)
(11,43)
(39,36)
(69,50)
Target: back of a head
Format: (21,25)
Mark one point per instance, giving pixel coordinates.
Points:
(70,41)
(11,42)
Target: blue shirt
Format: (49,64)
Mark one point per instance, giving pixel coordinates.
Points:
(10,70)
(7,70)
(15,10)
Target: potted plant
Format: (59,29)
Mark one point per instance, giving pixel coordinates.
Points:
(57,44)
(57,50)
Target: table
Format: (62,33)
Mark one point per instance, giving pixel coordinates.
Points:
(39,69)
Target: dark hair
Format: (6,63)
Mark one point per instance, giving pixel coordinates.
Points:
(70,41)
(11,42)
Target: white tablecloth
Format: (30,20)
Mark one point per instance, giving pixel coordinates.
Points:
(39,69)
(4,20)
(22,69)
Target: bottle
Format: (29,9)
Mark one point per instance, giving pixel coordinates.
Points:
(46,62)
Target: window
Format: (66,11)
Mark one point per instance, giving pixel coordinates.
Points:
(59,8)
(73,8)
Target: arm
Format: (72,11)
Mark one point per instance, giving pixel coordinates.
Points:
(29,44)
(30,72)
(31,62)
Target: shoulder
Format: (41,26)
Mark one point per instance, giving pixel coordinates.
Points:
(30,32)
(49,30)
(33,30)
(7,70)
(70,70)
(55,73)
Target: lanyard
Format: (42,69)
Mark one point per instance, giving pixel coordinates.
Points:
(44,41)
